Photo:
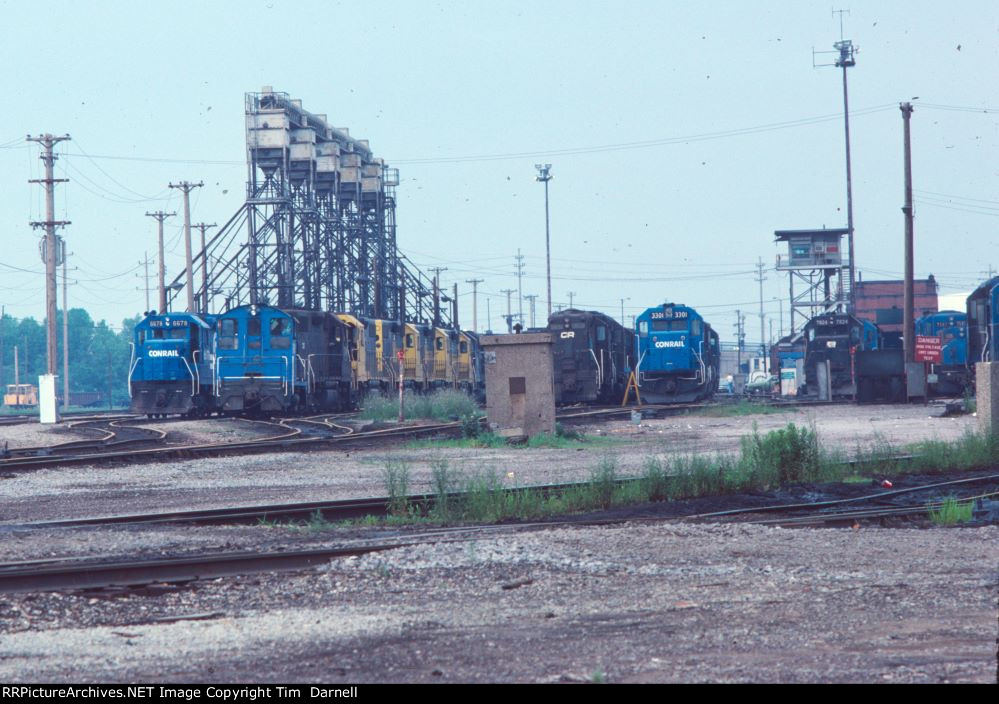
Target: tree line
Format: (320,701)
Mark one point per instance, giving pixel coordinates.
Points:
(98,355)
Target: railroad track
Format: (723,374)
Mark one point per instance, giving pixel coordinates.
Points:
(76,573)
(323,434)
(114,435)
(836,511)
(379,506)
(71,574)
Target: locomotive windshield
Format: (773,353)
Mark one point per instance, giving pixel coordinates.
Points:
(669,325)
(228,329)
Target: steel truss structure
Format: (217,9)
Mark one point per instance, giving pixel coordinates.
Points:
(317,229)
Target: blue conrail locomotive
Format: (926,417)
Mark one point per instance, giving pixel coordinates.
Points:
(269,359)
(951,375)
(678,355)
(170,370)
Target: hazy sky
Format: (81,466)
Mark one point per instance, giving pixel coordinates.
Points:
(681,135)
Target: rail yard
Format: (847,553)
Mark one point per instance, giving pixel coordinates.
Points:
(331,449)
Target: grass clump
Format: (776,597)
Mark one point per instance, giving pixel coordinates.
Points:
(444,483)
(782,456)
(971,450)
(396,478)
(442,405)
(952,512)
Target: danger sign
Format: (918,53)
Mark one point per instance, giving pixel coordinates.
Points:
(928,349)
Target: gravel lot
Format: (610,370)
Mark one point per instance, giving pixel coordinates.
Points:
(633,603)
(79,491)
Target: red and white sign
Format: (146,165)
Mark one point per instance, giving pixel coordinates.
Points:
(928,349)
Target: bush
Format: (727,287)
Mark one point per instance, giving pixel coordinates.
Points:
(782,456)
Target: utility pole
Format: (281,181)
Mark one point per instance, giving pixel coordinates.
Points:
(186,187)
(545,175)
(908,317)
(623,321)
(509,312)
(204,265)
(145,263)
(49,251)
(532,297)
(437,293)
(571,295)
(520,287)
(65,327)
(760,278)
(475,302)
(160,217)
(741,337)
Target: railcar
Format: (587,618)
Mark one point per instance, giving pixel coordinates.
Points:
(678,355)
(593,355)
(951,376)
(281,360)
(170,369)
(21,396)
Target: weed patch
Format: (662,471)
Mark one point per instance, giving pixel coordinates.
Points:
(952,512)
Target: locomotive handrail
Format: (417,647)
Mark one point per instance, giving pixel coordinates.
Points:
(197,371)
(600,374)
(194,388)
(638,369)
(133,362)
(305,371)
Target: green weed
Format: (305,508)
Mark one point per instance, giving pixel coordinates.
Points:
(396,478)
(441,405)
(952,512)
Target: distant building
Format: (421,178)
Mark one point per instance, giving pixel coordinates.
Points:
(883,303)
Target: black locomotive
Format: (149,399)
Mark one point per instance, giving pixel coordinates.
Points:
(593,355)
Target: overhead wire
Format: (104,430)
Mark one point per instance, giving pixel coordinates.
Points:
(666,141)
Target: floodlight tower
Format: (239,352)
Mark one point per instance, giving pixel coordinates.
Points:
(845,61)
(544,176)
(845,53)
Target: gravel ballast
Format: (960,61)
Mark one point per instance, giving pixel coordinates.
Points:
(631,603)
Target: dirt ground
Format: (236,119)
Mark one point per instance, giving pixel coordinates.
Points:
(630,603)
